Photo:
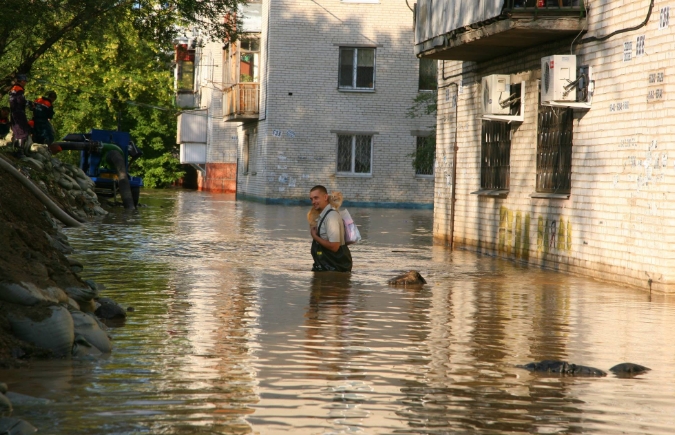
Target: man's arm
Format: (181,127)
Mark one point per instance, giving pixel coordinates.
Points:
(331,246)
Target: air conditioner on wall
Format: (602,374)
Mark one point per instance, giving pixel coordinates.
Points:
(496,90)
(558,74)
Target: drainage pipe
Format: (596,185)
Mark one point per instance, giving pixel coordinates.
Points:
(44,199)
(455,148)
(116,160)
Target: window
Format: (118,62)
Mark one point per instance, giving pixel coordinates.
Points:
(554,150)
(357,68)
(354,154)
(495,155)
(425,154)
(250,153)
(185,68)
(247,153)
(249,59)
(428,80)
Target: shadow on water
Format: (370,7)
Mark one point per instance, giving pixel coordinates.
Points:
(232,333)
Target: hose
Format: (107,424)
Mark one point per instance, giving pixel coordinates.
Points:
(116,160)
(44,199)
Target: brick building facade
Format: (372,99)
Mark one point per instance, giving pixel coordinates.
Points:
(613,220)
(336,81)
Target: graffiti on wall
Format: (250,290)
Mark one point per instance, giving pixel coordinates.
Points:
(645,169)
(554,234)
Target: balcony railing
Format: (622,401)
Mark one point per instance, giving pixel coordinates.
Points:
(242,102)
(537,7)
(445,29)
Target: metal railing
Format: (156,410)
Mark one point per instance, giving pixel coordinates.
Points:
(242,99)
(543,6)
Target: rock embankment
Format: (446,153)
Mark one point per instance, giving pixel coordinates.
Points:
(46,309)
(66,184)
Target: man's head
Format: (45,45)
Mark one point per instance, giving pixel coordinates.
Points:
(51,96)
(21,79)
(4,112)
(319,197)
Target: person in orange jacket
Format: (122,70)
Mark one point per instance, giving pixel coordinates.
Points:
(19,121)
(43,112)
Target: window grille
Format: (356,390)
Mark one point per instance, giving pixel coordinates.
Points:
(357,68)
(554,150)
(495,155)
(354,154)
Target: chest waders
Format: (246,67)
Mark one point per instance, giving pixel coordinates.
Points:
(327,260)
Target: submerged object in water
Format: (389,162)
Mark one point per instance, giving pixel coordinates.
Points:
(563,368)
(628,369)
(412,277)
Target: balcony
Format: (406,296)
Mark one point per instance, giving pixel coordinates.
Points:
(485,29)
(242,102)
(186,100)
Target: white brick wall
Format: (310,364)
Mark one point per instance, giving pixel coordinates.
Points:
(618,219)
(222,137)
(304,40)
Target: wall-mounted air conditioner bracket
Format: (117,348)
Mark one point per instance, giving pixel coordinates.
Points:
(511,118)
(571,104)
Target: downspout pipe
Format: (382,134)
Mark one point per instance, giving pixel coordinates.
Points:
(44,199)
(455,148)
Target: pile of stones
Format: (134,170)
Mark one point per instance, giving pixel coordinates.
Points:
(64,321)
(65,183)
(8,424)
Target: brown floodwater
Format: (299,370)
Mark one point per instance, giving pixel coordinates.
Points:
(232,334)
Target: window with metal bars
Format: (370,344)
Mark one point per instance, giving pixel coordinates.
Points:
(495,164)
(425,153)
(355,154)
(554,150)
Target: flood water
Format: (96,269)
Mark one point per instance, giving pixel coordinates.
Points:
(232,334)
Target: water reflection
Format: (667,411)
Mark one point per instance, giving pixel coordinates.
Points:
(233,334)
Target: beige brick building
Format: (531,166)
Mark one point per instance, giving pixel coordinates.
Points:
(582,182)
(319,95)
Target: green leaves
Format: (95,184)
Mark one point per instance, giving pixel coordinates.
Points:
(31,29)
(118,79)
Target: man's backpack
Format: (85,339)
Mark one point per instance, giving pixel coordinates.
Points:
(352,234)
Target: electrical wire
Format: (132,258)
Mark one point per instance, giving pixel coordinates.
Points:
(582,30)
(617,32)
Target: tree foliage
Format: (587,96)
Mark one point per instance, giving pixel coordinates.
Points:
(424,104)
(119,80)
(30,29)
(110,62)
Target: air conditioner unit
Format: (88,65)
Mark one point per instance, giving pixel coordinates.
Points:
(496,89)
(557,73)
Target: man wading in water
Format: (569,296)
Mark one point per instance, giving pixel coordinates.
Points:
(329,251)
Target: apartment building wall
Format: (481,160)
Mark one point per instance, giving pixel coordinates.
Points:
(617,222)
(303,111)
(219,173)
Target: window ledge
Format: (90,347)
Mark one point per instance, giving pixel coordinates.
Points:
(425,177)
(348,175)
(500,193)
(550,195)
(363,91)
